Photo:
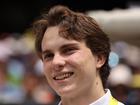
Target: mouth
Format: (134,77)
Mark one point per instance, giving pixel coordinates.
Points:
(63,76)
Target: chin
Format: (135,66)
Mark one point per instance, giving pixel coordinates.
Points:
(66,91)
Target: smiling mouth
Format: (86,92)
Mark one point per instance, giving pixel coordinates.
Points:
(63,76)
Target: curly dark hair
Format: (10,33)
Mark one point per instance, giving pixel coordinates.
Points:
(77,26)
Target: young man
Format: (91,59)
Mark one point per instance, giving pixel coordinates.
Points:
(74,51)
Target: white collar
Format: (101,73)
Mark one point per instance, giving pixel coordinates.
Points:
(104,100)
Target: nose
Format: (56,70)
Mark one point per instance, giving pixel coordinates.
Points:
(58,62)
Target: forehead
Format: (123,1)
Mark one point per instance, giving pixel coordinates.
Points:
(52,39)
(51,33)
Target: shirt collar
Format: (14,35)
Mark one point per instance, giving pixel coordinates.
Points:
(104,100)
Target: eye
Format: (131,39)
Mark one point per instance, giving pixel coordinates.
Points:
(69,50)
(48,56)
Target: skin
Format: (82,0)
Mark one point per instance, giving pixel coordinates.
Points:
(75,60)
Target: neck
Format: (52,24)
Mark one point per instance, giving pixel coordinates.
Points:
(85,97)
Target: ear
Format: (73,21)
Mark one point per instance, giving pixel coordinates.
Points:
(100,61)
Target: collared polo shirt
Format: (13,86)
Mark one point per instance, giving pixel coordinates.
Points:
(104,100)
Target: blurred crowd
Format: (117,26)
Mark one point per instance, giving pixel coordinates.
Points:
(22,81)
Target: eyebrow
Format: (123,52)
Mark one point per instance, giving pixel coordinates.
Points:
(69,45)
(62,47)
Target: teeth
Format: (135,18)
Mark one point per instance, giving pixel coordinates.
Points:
(63,76)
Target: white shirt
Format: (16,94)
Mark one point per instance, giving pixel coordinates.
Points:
(104,100)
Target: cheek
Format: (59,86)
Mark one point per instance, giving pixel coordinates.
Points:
(46,68)
(81,60)
(47,72)
(76,59)
(85,67)
(86,62)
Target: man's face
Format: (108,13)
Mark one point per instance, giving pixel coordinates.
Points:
(69,65)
